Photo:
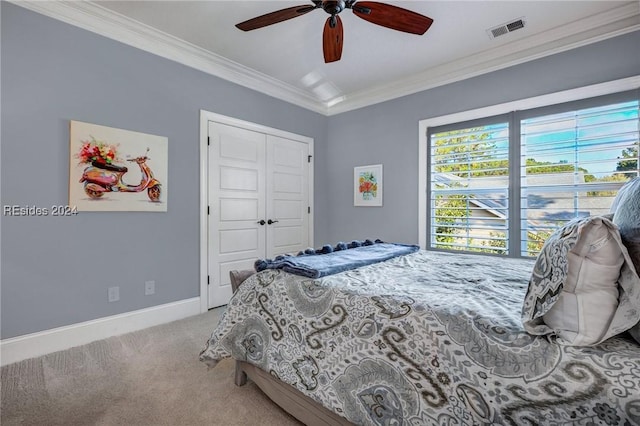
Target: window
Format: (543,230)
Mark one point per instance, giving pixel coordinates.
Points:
(501,185)
(572,164)
(469,187)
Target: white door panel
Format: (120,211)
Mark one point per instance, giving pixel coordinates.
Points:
(287,182)
(232,209)
(288,157)
(288,209)
(237,203)
(235,148)
(240,179)
(253,177)
(239,241)
(288,236)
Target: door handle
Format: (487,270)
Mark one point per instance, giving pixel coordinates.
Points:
(261,222)
(272,221)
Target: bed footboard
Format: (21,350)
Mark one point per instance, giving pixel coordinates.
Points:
(294,402)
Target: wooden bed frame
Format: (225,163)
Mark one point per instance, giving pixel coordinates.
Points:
(294,402)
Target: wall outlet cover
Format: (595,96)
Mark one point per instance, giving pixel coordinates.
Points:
(114,294)
(149,288)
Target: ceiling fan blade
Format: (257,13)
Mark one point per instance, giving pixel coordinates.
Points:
(275,17)
(393,17)
(332,39)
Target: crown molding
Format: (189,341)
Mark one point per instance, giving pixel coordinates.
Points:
(107,23)
(102,21)
(615,22)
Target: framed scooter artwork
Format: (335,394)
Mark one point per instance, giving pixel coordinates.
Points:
(114,169)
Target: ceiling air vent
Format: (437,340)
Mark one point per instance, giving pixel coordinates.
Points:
(506,28)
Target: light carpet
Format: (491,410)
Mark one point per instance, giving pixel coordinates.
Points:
(149,377)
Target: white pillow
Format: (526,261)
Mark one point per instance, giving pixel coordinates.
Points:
(589,296)
(574,290)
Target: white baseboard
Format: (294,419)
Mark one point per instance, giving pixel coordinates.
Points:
(41,343)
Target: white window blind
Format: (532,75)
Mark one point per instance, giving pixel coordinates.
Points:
(566,161)
(572,164)
(469,189)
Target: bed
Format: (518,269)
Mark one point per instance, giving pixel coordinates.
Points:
(426,338)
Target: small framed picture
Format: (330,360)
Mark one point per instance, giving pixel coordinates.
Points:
(367,186)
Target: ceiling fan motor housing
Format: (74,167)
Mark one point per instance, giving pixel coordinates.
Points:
(333,7)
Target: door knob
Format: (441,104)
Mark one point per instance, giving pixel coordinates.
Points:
(261,222)
(272,221)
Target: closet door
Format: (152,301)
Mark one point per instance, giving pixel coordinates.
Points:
(237,189)
(287,196)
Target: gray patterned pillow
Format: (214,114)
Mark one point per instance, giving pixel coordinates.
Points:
(583,288)
(626,215)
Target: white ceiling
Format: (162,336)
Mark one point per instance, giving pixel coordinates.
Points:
(285,59)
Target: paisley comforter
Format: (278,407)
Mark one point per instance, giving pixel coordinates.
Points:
(425,339)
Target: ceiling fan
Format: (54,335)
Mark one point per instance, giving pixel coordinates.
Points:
(382,14)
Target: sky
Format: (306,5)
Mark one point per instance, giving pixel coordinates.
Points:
(594,138)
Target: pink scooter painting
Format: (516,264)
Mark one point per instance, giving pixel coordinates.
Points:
(102,177)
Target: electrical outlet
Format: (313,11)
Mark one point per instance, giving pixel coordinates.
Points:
(149,288)
(114,294)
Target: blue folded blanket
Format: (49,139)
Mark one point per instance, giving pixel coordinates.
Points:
(326,261)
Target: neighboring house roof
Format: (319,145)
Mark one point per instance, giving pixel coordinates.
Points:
(550,207)
(492,203)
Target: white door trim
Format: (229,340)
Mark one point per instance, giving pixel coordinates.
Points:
(205,117)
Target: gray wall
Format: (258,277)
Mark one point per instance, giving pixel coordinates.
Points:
(56,271)
(387,133)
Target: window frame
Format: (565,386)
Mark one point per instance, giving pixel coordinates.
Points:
(574,99)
